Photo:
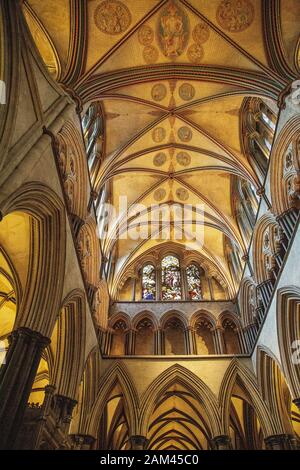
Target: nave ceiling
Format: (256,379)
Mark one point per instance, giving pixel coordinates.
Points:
(172,108)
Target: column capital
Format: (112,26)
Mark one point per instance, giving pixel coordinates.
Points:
(222,442)
(281,442)
(138,442)
(29,335)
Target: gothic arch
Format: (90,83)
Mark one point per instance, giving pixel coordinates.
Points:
(180,375)
(73,167)
(238,373)
(69,340)
(47,260)
(264,262)
(118,373)
(89,248)
(288,328)
(274,389)
(279,196)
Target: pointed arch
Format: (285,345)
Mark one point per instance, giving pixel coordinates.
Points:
(47,260)
(274,389)
(180,375)
(68,341)
(117,373)
(237,373)
(288,329)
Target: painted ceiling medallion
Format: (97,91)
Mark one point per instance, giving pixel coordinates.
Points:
(186,91)
(173,30)
(235,15)
(159,92)
(201,33)
(182,194)
(159,159)
(150,54)
(195,53)
(158,134)
(112,17)
(145,35)
(183,158)
(159,194)
(185,134)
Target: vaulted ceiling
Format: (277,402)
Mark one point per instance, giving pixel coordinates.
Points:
(171,77)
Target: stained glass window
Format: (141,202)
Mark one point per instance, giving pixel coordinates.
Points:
(170,276)
(148,282)
(194,282)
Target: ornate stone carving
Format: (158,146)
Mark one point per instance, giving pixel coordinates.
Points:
(112,17)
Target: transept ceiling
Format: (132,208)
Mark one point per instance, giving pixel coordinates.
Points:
(171,77)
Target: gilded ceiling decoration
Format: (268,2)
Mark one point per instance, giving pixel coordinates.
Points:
(183,158)
(235,15)
(112,17)
(186,91)
(159,92)
(171,78)
(185,134)
(159,159)
(182,194)
(173,30)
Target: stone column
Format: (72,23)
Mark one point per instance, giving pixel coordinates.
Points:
(210,287)
(138,442)
(131,342)
(82,442)
(158,350)
(219,340)
(134,279)
(281,442)
(16,380)
(49,392)
(184,284)
(158,283)
(221,443)
(188,340)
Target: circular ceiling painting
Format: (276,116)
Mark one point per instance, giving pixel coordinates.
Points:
(235,15)
(182,194)
(173,30)
(185,134)
(159,92)
(112,17)
(201,33)
(183,159)
(186,91)
(159,194)
(195,53)
(145,35)
(158,134)
(150,54)
(159,159)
